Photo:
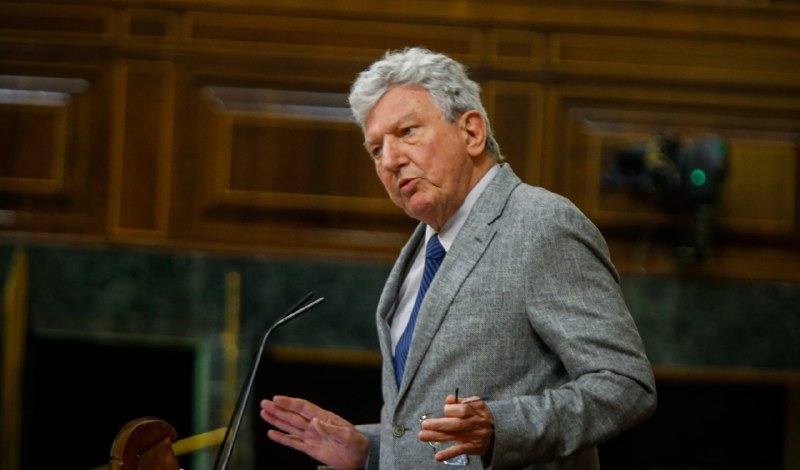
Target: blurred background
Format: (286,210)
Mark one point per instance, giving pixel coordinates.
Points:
(175,174)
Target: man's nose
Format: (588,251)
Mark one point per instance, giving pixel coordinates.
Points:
(392,155)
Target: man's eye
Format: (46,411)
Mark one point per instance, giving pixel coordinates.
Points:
(407,130)
(375,152)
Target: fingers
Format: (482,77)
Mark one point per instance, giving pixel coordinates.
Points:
(287,440)
(324,436)
(307,410)
(279,422)
(298,405)
(471,413)
(290,426)
(464,408)
(473,400)
(476,440)
(469,422)
(283,419)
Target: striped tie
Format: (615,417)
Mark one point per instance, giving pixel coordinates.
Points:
(434,254)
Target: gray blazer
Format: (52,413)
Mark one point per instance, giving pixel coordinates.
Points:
(525,310)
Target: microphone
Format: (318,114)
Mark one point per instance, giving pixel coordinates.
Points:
(226,449)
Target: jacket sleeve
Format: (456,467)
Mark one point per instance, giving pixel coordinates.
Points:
(574,304)
(373,433)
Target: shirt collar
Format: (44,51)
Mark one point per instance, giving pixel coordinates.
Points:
(451,228)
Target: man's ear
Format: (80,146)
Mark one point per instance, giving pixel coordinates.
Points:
(473,128)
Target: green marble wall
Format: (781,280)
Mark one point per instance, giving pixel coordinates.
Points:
(684,322)
(134,291)
(717,323)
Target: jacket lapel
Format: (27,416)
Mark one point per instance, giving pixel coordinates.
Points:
(386,308)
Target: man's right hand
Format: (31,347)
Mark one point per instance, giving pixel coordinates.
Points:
(318,433)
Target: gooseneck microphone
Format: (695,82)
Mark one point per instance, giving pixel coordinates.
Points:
(226,449)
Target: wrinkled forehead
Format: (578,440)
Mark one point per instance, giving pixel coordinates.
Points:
(400,101)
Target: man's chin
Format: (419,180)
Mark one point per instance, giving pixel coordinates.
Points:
(418,205)
(418,214)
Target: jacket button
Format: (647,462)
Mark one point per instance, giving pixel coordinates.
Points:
(398,430)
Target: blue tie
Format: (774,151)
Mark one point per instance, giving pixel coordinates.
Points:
(434,254)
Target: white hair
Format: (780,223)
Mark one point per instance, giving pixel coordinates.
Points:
(451,90)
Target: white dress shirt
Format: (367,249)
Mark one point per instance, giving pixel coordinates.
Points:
(407,294)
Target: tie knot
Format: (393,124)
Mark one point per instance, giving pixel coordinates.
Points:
(435,250)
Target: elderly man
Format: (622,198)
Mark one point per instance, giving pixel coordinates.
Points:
(504,292)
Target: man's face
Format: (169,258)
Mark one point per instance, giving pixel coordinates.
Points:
(421,159)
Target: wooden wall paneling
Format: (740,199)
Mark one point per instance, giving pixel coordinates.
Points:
(516,49)
(141,155)
(283,169)
(761,192)
(248,35)
(770,18)
(552,146)
(60,23)
(150,25)
(53,160)
(590,147)
(35,139)
(579,81)
(761,146)
(699,60)
(759,195)
(516,112)
(762,19)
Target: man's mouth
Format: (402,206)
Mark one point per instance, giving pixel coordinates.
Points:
(406,185)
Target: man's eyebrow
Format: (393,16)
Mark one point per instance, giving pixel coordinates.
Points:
(405,117)
(395,125)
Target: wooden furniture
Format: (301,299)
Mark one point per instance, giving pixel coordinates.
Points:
(149,443)
(144,444)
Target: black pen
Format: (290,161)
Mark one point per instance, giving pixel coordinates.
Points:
(469,401)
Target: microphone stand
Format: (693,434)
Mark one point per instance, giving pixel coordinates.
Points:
(225,452)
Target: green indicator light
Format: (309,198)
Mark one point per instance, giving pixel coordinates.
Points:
(697,177)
